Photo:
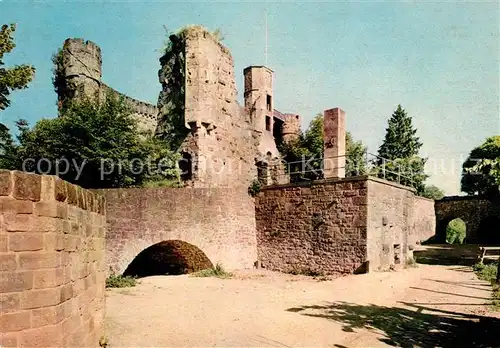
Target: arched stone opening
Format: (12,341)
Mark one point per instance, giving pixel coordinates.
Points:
(171,257)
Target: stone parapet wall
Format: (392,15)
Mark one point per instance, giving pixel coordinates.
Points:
(52,263)
(144,113)
(221,222)
(316,228)
(339,226)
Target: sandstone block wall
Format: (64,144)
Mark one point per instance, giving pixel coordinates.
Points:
(424,220)
(221,222)
(221,139)
(318,228)
(52,263)
(334,226)
(390,216)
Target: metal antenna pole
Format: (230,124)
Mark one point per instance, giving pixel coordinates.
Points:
(265,48)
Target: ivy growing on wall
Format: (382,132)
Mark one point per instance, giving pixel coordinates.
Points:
(172,76)
(171,100)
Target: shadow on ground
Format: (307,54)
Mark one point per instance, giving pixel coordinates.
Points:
(421,327)
(446,254)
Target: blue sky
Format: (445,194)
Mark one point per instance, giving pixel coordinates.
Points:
(439,60)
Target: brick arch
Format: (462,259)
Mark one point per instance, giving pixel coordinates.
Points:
(472,210)
(172,257)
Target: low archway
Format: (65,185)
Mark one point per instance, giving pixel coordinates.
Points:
(171,257)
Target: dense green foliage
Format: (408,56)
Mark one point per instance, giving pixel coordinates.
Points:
(119,281)
(456,231)
(481,170)
(398,155)
(94,146)
(308,148)
(490,273)
(432,192)
(13,78)
(8,149)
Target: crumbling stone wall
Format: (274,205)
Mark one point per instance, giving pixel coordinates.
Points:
(79,74)
(221,144)
(390,218)
(220,222)
(52,264)
(480,214)
(317,228)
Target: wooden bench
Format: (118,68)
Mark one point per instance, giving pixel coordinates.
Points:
(494,253)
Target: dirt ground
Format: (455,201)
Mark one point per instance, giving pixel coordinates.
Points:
(429,305)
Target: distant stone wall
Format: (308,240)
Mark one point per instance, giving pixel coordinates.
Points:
(316,228)
(424,220)
(52,263)
(81,75)
(480,214)
(145,114)
(221,222)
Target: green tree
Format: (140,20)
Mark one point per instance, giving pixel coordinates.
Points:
(455,231)
(308,148)
(13,78)
(8,149)
(94,146)
(398,155)
(480,170)
(433,192)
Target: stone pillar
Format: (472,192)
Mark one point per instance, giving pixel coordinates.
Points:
(334,143)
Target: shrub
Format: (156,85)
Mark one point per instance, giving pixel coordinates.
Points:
(455,231)
(218,271)
(489,273)
(119,281)
(254,188)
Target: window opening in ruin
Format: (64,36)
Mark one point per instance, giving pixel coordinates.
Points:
(278,130)
(186,166)
(397,254)
(268,123)
(268,102)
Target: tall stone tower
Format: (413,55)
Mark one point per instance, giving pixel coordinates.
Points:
(79,70)
(260,105)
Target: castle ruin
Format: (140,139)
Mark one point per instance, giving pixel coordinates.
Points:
(225,144)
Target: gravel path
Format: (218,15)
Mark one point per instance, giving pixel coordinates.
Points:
(423,306)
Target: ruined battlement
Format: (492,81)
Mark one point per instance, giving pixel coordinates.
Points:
(81,74)
(82,58)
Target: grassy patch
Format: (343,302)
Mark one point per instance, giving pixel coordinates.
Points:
(119,281)
(488,272)
(218,271)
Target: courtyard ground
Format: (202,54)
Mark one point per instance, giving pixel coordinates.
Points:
(430,305)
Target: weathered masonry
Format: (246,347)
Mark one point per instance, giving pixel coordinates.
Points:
(480,214)
(338,226)
(52,262)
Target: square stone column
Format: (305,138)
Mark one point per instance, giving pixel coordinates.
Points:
(334,143)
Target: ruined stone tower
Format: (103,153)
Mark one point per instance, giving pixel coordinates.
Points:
(79,74)
(259,104)
(79,71)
